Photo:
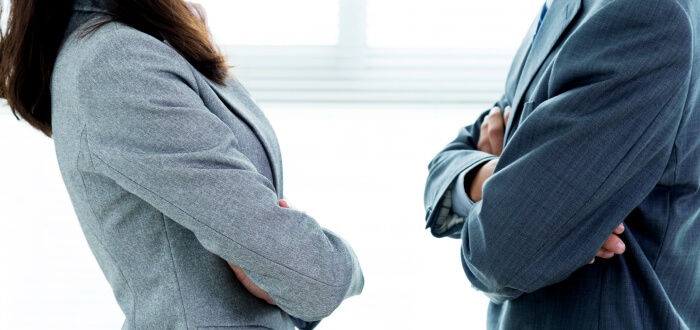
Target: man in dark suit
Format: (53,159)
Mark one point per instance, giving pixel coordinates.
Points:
(604,130)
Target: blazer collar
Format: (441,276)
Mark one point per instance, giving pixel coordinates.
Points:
(247,112)
(558,18)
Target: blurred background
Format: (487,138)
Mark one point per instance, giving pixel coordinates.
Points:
(362,94)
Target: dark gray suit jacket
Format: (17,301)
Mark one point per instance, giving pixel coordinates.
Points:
(170,175)
(606,129)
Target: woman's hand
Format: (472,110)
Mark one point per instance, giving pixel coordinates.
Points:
(247,283)
(250,286)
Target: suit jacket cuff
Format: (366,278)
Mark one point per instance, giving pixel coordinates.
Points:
(455,205)
(461,203)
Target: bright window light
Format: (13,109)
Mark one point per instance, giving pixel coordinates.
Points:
(484,24)
(273,22)
(4,16)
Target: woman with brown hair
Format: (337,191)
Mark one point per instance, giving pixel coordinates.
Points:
(172,168)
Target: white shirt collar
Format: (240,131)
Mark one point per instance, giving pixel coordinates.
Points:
(549,3)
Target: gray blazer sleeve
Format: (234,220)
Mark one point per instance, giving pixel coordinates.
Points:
(588,155)
(148,130)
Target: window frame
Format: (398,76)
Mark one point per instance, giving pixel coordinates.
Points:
(351,71)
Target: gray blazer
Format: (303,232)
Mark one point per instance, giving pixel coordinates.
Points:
(172,175)
(605,129)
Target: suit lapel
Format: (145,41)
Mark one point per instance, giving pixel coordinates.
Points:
(257,123)
(555,23)
(516,68)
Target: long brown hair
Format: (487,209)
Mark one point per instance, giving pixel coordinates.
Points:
(35,30)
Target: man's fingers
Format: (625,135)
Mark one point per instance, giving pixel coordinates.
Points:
(496,129)
(283,203)
(620,229)
(492,131)
(483,144)
(507,115)
(614,244)
(605,254)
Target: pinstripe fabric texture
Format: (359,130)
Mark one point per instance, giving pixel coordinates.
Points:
(605,130)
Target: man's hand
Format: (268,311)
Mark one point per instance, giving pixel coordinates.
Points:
(492,131)
(612,246)
(491,141)
(247,283)
(483,173)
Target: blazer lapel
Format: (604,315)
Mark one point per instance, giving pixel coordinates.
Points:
(555,22)
(257,123)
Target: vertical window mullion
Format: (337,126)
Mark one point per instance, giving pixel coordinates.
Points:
(352,38)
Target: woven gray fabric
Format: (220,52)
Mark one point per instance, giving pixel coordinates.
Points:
(605,129)
(170,175)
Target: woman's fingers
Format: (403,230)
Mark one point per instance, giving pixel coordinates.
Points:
(240,274)
(283,203)
(250,286)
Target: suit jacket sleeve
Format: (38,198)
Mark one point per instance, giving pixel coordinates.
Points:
(149,131)
(459,156)
(588,155)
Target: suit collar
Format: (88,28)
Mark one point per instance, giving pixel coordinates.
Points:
(558,18)
(247,112)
